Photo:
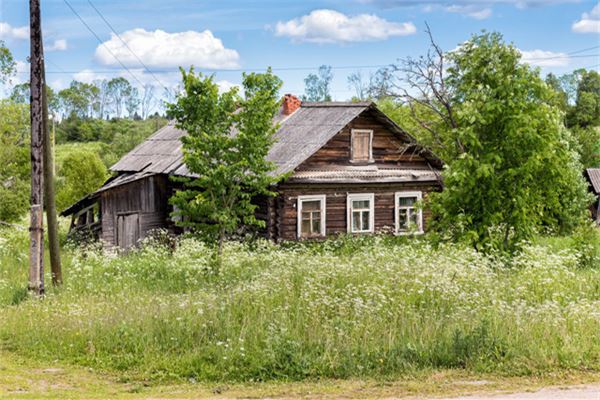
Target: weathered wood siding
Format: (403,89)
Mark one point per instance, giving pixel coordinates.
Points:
(286,225)
(146,197)
(388,149)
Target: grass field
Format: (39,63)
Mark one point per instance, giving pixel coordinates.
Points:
(357,310)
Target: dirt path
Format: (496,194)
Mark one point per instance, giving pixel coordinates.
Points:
(578,392)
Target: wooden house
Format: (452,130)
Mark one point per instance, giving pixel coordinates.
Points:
(593,176)
(350,170)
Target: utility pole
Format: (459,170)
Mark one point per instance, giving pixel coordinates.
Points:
(49,191)
(36,229)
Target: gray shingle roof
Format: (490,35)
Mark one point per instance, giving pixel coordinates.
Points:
(299,136)
(594,177)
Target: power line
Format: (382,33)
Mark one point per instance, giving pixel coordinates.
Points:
(125,43)
(101,42)
(167,70)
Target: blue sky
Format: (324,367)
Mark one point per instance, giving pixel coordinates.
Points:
(294,37)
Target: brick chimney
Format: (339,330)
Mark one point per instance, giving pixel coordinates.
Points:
(290,104)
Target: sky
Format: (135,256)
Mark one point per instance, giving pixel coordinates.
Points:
(147,40)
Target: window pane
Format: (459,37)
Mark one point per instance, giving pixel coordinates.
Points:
(413,217)
(365,220)
(356,221)
(360,204)
(316,226)
(311,205)
(402,219)
(406,201)
(305,227)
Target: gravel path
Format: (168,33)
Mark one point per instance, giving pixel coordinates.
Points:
(579,392)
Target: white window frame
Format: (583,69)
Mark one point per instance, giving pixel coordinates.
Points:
(360,197)
(318,197)
(419,196)
(370,132)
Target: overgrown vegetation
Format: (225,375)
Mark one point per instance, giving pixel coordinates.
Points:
(362,307)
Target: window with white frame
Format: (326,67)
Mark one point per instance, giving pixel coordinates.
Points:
(362,145)
(361,212)
(409,218)
(311,216)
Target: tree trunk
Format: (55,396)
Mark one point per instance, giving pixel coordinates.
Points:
(49,193)
(36,249)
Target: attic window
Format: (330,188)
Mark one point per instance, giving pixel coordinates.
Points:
(362,146)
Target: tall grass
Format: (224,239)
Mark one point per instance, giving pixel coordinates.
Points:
(352,307)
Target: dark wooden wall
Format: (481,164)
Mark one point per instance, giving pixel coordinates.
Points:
(284,215)
(147,197)
(388,148)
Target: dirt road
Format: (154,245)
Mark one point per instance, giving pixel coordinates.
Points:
(579,392)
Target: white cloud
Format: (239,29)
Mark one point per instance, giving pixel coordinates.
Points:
(329,26)
(589,22)
(163,49)
(9,32)
(517,3)
(470,10)
(543,58)
(58,45)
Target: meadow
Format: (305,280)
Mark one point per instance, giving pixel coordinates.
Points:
(372,307)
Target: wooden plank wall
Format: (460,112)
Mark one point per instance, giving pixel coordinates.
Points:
(148,197)
(336,213)
(388,149)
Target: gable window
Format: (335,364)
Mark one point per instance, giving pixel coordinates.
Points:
(361,212)
(409,218)
(311,216)
(362,145)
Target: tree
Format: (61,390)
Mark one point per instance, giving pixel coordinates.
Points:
(587,104)
(7,63)
(79,99)
(104,98)
(317,85)
(120,91)
(515,171)
(81,172)
(561,98)
(132,102)
(147,101)
(231,169)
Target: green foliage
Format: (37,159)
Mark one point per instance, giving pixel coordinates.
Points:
(14,159)
(77,99)
(578,96)
(231,168)
(317,86)
(79,174)
(359,308)
(115,137)
(516,171)
(7,63)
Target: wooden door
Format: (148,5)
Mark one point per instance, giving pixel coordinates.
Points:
(128,230)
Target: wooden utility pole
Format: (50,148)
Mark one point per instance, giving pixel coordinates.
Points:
(36,229)
(49,191)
